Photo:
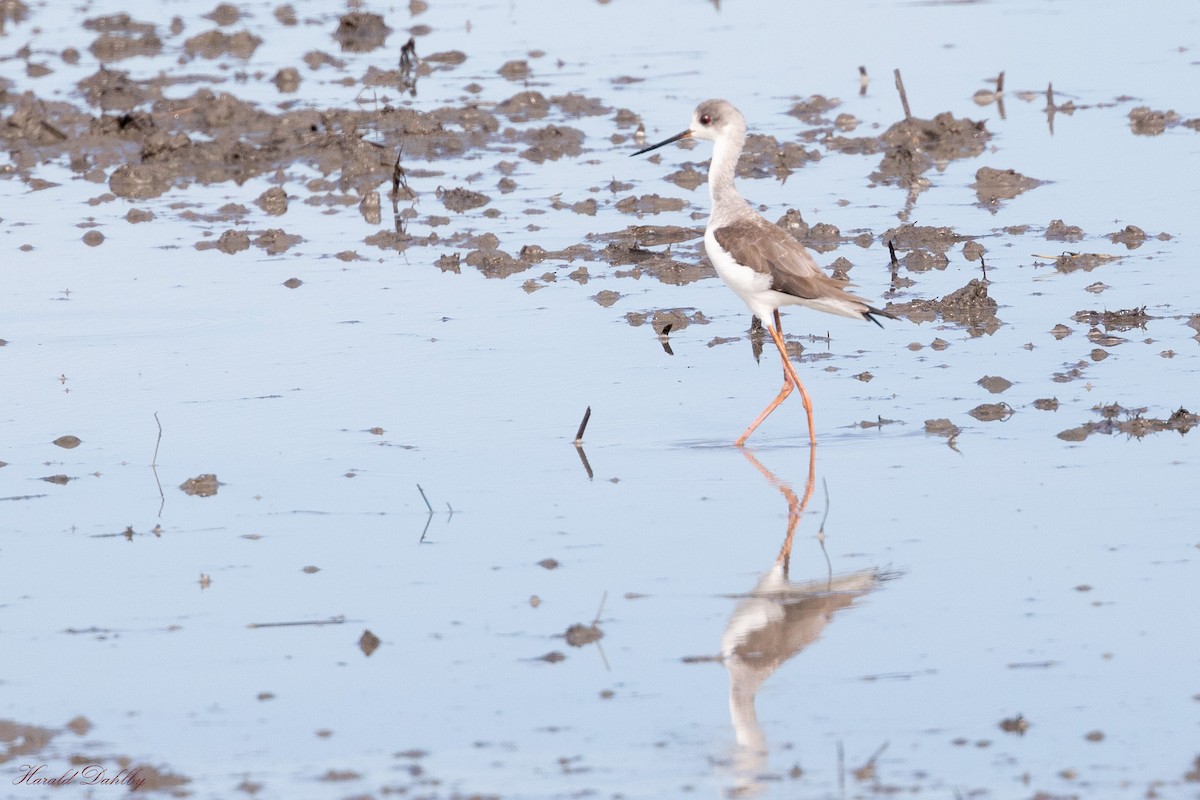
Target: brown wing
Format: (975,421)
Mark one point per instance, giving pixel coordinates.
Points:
(768,249)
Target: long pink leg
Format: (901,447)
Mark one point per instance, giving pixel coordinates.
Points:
(790,379)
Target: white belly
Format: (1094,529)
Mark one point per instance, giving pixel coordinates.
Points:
(753,287)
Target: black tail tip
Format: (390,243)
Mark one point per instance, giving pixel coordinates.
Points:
(871,312)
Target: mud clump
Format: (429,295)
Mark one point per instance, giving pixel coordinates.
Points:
(1117,419)
(926,246)
(139,181)
(460,200)
(201,486)
(276,241)
(765,157)
(627,248)
(230,242)
(813,110)
(273,201)
(551,143)
(1059,231)
(677,318)
(361,32)
(1069,262)
(650,204)
(912,237)
(579,634)
(515,70)
(942,427)
(821,237)
(1122,320)
(216,43)
(1144,121)
(524,106)
(994,185)
(913,146)
(992,412)
(1132,237)
(995,384)
(287,80)
(116,46)
(970,306)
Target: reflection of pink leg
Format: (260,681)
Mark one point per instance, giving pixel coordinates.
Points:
(790,379)
(795,504)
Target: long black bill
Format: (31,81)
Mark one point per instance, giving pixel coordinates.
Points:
(664,142)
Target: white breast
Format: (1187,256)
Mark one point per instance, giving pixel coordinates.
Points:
(753,287)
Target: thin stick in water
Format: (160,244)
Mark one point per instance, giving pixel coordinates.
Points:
(903,94)
(600,610)
(423,497)
(157,442)
(331,621)
(583,426)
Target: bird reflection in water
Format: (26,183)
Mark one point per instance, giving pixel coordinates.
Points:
(775,621)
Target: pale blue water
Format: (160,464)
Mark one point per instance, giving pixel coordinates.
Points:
(479,387)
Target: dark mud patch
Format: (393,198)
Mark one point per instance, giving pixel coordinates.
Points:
(628,249)
(549,143)
(1059,231)
(995,384)
(914,146)
(1133,237)
(766,157)
(994,185)
(814,110)
(650,204)
(924,246)
(676,318)
(1070,262)
(216,43)
(460,199)
(992,412)
(1131,422)
(821,237)
(361,32)
(1122,320)
(123,39)
(201,486)
(1145,121)
(970,306)
(942,427)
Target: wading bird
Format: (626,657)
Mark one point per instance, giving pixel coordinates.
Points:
(758,260)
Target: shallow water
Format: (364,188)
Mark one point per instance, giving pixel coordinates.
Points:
(1021,574)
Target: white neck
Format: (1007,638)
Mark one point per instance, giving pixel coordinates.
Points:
(727,203)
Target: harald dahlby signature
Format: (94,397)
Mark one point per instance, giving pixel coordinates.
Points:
(91,775)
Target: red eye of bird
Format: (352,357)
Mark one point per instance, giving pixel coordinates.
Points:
(705,119)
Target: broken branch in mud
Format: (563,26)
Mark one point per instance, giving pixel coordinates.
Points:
(587,415)
(903,94)
(338,620)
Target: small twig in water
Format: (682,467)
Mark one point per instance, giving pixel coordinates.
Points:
(423,497)
(338,620)
(162,497)
(157,442)
(903,95)
(583,426)
(600,610)
(863,80)
(821,536)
